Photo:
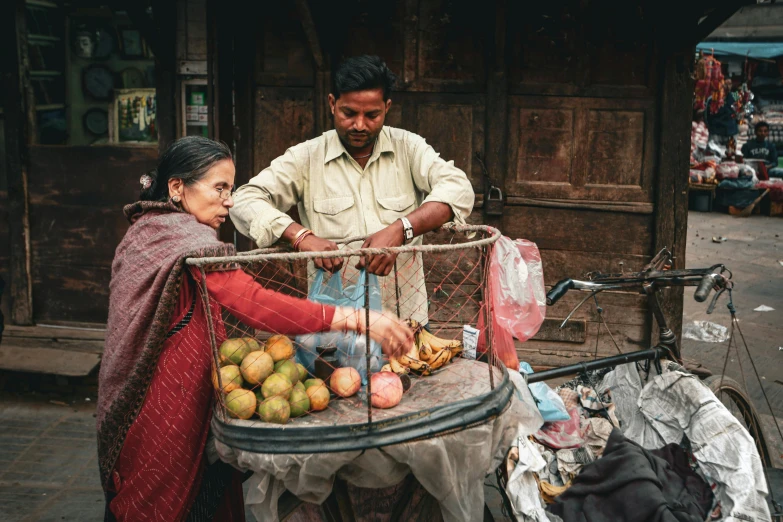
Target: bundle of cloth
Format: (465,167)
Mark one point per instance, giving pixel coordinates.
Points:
(638,446)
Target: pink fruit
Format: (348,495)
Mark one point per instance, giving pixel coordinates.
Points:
(345,381)
(386,389)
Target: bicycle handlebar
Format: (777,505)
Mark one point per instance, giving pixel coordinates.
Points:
(558,291)
(704,278)
(705,286)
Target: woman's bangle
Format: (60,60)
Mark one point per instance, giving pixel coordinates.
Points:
(300,237)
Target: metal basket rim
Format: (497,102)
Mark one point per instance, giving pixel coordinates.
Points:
(269,254)
(418,425)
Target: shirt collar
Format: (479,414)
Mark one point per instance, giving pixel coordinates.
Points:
(335,147)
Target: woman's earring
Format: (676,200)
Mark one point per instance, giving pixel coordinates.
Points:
(175,198)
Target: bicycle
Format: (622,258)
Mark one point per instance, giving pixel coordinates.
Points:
(654,276)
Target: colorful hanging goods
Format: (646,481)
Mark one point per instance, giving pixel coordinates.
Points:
(709,82)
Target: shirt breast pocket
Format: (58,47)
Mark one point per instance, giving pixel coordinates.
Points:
(393,208)
(333,218)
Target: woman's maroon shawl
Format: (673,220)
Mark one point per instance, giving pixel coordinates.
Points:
(144,290)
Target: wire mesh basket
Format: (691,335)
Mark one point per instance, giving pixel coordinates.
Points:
(331,392)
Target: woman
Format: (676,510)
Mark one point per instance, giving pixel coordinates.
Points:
(155,392)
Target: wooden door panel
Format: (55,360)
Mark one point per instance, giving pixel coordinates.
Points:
(449,51)
(615,140)
(454,131)
(284,117)
(76,222)
(545,154)
(580,148)
(453,124)
(580,230)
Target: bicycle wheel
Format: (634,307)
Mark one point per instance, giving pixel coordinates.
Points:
(733,396)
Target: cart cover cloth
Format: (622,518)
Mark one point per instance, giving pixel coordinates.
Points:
(452,467)
(676,404)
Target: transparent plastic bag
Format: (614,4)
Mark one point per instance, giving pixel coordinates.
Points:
(351,348)
(516,276)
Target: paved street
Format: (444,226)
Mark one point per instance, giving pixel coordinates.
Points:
(753,250)
(48,469)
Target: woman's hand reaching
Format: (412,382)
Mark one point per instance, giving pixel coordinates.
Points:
(394,336)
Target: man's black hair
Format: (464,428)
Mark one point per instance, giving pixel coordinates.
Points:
(761,124)
(361,73)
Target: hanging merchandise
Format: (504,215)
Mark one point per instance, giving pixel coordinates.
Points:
(709,83)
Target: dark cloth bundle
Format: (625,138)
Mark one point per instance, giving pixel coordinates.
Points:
(630,483)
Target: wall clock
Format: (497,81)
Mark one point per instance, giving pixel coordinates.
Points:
(98,82)
(133,78)
(96,121)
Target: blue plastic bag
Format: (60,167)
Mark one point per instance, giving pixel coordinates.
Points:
(351,347)
(549,403)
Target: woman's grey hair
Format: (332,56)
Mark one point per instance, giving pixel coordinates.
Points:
(188,159)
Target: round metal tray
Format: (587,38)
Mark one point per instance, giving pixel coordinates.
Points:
(456,398)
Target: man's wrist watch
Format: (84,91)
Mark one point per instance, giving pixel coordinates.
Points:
(407,231)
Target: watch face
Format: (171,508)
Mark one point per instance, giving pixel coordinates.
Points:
(98,82)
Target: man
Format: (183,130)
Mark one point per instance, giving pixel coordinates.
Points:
(762,149)
(360,179)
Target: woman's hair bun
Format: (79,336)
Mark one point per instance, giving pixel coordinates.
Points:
(148,184)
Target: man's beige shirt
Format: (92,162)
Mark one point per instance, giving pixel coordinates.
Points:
(337,199)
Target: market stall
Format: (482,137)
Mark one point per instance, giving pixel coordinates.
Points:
(732,164)
(302,412)
(326,421)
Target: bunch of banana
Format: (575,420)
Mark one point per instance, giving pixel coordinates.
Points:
(433,350)
(426,354)
(429,345)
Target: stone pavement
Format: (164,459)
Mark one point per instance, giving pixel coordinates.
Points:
(48,462)
(753,250)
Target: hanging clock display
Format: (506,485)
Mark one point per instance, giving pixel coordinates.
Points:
(96,121)
(133,78)
(98,82)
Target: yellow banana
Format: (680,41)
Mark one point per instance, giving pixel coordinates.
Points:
(397,367)
(386,368)
(414,324)
(456,351)
(436,343)
(414,364)
(440,359)
(425,352)
(413,352)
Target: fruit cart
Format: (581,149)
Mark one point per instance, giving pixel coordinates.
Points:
(307,414)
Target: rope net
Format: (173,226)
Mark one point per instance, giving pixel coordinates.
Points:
(273,364)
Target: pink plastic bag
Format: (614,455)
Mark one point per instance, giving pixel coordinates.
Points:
(516,278)
(502,342)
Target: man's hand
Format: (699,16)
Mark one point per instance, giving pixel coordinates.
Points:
(313,243)
(391,236)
